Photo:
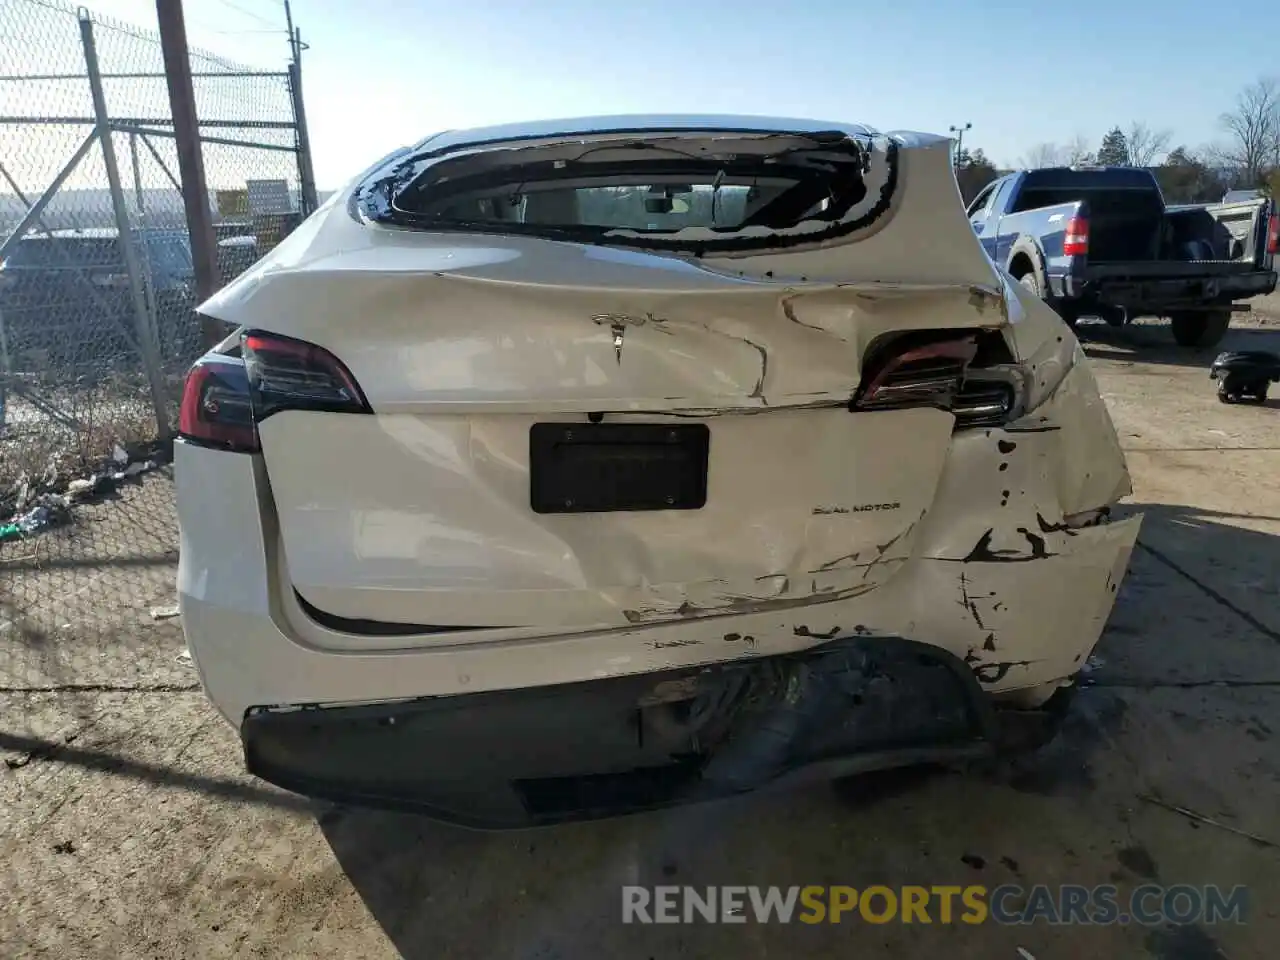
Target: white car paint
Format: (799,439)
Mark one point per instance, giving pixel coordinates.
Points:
(818,522)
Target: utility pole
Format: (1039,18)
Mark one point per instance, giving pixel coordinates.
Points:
(186,133)
(959,132)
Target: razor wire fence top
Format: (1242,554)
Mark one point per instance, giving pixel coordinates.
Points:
(44,83)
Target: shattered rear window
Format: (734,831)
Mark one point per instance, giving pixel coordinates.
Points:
(673,189)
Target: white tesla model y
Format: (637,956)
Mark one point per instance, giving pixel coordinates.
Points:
(565,469)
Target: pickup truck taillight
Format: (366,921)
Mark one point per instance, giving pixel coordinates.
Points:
(1075,242)
(227,394)
(1273,232)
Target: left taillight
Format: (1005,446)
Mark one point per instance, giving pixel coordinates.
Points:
(249,377)
(289,374)
(216,409)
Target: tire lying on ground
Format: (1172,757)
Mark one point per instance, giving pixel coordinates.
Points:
(1202,328)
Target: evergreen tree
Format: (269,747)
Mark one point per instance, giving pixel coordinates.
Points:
(1114,151)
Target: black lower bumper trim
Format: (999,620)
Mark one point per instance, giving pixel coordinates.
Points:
(621,745)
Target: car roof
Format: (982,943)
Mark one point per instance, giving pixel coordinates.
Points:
(634,123)
(100,233)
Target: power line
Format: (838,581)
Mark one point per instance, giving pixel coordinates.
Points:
(249,13)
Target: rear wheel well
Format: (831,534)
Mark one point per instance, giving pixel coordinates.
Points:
(1020,266)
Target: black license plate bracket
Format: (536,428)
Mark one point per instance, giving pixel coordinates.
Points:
(611,467)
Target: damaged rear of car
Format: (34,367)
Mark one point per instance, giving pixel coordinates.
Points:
(577,468)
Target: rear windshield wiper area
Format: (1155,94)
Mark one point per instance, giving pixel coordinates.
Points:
(703,192)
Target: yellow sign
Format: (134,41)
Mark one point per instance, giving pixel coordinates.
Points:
(233,203)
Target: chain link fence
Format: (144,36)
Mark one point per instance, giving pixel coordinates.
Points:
(98,326)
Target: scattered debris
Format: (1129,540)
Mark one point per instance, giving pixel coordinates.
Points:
(973,860)
(1200,817)
(64,846)
(48,510)
(1025,954)
(167,612)
(45,510)
(118,454)
(133,469)
(184,656)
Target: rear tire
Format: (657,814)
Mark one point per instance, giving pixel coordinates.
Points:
(1199,329)
(1031,282)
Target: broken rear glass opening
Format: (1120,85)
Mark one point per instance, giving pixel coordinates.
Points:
(647,187)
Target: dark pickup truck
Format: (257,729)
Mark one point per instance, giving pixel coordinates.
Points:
(1099,241)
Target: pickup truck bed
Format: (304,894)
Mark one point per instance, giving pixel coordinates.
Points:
(1101,242)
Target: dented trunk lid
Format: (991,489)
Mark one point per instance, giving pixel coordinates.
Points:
(464,341)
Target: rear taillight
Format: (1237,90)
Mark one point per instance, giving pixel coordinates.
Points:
(972,375)
(288,374)
(1273,232)
(1075,242)
(236,386)
(926,375)
(215,410)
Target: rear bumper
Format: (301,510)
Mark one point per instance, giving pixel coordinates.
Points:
(1137,293)
(627,744)
(998,577)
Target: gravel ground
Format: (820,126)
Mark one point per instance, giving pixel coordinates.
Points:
(129,830)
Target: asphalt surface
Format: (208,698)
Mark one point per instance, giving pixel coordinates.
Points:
(128,829)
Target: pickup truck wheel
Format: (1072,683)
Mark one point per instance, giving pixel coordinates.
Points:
(1199,328)
(1032,283)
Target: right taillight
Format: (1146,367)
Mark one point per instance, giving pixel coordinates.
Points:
(236,386)
(1075,241)
(972,375)
(927,375)
(1273,232)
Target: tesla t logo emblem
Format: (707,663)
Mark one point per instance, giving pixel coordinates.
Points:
(617,324)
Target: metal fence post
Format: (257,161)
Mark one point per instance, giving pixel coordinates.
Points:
(306,176)
(147,345)
(186,138)
(6,371)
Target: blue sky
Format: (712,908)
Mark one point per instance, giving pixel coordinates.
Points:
(385,72)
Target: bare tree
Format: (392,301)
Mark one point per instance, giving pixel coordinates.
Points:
(1254,130)
(1078,152)
(1043,155)
(1145,144)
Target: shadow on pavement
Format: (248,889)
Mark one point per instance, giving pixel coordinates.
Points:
(28,750)
(537,893)
(1151,342)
